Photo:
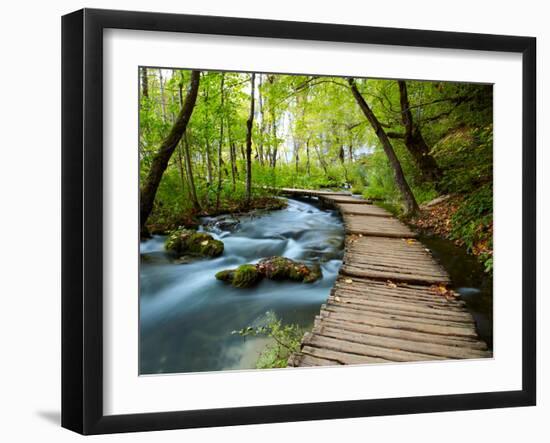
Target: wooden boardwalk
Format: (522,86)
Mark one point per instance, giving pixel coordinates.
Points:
(390,301)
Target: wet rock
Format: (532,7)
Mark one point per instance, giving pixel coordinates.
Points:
(273,268)
(226,275)
(314,274)
(283,268)
(244,276)
(225,224)
(189,242)
(184,259)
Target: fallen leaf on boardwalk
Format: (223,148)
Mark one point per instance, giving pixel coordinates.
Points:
(391,284)
(443,291)
(410,241)
(348,280)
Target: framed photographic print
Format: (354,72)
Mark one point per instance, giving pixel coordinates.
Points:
(270,221)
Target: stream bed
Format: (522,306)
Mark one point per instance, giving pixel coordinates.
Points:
(187,316)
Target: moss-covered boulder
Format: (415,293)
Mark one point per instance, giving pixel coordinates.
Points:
(226,275)
(283,268)
(189,242)
(244,276)
(314,274)
(273,268)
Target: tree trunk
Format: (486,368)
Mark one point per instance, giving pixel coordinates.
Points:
(162,104)
(249,123)
(189,164)
(321,161)
(296,154)
(220,144)
(414,141)
(307,157)
(180,168)
(207,142)
(144,83)
(409,201)
(233,165)
(274,135)
(262,124)
(232,154)
(162,156)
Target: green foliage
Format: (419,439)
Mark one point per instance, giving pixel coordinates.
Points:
(309,132)
(472,222)
(285,340)
(466,155)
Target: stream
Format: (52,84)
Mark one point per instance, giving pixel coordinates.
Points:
(469,280)
(187,316)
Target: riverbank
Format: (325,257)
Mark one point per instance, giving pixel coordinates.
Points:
(162,221)
(466,220)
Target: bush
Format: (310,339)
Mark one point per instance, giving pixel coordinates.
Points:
(286,339)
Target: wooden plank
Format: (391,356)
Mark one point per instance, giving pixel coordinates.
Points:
(400,307)
(377,211)
(454,341)
(432,305)
(312,192)
(399,324)
(401,344)
(406,290)
(394,316)
(370,225)
(342,358)
(344,199)
(300,359)
(340,345)
(357,272)
(374,253)
(381,265)
(358,297)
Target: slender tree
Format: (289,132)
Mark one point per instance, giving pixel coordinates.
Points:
(144,82)
(220,144)
(189,164)
(162,156)
(249,123)
(409,202)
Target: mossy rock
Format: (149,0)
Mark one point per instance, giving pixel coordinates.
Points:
(190,242)
(283,268)
(314,274)
(244,276)
(226,275)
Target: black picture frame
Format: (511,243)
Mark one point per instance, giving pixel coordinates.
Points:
(82,219)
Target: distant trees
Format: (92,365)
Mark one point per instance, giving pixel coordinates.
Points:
(388,139)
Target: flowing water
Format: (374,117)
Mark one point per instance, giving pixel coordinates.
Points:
(187,316)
